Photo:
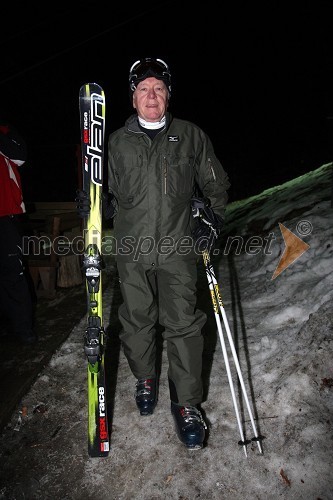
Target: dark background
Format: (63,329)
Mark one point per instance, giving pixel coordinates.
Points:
(256,76)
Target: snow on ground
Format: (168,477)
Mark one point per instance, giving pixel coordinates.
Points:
(282,331)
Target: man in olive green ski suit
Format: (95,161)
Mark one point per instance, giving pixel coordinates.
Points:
(156,164)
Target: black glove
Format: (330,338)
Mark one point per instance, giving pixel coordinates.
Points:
(109,205)
(82,204)
(209,224)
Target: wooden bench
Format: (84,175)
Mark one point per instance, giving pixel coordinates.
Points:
(52,224)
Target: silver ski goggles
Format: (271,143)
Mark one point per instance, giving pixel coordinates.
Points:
(149,67)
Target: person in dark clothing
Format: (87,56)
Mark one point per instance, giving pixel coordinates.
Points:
(157,165)
(16,302)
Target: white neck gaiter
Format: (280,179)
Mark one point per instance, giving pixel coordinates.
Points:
(152,125)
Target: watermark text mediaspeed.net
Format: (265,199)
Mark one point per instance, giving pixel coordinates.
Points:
(145,245)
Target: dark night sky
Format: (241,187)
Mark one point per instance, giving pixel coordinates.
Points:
(256,76)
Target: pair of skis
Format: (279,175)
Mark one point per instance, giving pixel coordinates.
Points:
(92,122)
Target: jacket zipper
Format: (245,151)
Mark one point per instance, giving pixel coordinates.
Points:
(165,174)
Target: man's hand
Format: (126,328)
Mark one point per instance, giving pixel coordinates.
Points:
(83,206)
(209,224)
(82,203)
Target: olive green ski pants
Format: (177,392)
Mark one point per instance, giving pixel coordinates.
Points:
(164,294)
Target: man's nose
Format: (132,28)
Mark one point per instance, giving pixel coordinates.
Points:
(152,94)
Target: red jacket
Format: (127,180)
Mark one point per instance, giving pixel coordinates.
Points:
(12,155)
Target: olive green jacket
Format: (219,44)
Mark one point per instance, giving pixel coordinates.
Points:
(154,181)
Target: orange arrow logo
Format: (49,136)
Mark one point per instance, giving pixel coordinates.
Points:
(295,247)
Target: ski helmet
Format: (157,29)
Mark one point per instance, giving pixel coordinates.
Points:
(149,66)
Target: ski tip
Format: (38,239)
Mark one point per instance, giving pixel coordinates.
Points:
(90,86)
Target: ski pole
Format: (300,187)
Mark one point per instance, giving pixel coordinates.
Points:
(218,305)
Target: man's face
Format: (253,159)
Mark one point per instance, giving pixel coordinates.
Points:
(150,99)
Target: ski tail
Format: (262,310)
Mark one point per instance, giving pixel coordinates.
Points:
(92,121)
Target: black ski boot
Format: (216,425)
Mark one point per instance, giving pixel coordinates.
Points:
(190,425)
(146,395)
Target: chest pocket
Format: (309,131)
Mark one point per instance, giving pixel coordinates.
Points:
(128,174)
(179,174)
